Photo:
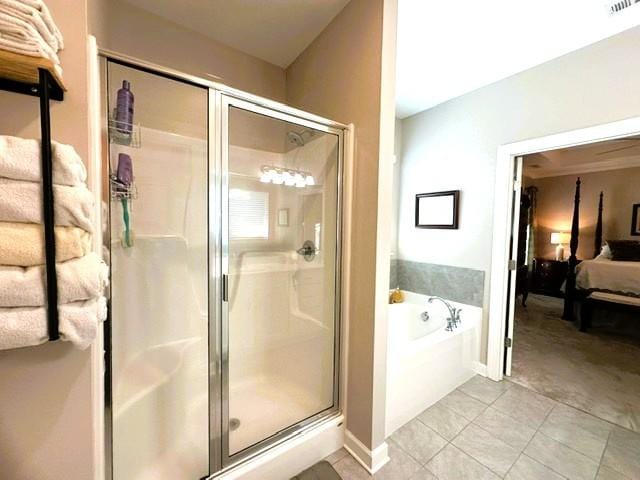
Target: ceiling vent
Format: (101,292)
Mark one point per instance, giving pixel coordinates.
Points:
(617,7)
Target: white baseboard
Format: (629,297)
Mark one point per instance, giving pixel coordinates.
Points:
(480,368)
(372,461)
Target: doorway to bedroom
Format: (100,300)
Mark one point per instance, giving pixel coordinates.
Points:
(572,300)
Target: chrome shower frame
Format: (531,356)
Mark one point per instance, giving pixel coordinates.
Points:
(221,98)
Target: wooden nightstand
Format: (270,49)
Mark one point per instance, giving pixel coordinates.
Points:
(548,276)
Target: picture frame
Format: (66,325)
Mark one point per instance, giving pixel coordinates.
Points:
(635,220)
(437,210)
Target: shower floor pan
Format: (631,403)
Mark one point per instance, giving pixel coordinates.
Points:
(266,405)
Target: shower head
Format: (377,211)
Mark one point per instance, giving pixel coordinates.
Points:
(297,138)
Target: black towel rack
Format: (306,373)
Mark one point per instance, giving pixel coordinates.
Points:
(24,75)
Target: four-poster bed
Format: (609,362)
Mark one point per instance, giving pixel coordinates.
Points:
(602,282)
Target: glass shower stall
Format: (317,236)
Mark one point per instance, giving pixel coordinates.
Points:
(224,243)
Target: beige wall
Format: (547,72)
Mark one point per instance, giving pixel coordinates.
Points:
(142,35)
(338,76)
(454,145)
(395,195)
(555,208)
(46,418)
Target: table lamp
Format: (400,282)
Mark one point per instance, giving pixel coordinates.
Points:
(559,239)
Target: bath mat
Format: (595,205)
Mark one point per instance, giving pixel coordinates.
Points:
(320,471)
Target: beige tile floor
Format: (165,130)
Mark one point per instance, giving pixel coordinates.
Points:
(597,372)
(488,430)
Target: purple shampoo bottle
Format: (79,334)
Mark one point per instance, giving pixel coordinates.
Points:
(124,108)
(124,171)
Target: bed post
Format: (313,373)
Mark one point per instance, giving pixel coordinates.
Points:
(598,244)
(570,289)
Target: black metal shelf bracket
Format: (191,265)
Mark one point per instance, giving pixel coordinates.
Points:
(44,92)
(34,89)
(46,89)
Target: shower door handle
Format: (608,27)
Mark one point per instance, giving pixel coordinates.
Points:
(225,288)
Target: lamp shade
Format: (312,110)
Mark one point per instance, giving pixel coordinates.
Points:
(560,238)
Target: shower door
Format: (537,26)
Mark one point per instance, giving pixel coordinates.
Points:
(279,265)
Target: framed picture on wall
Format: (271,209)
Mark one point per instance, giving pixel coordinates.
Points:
(635,220)
(437,210)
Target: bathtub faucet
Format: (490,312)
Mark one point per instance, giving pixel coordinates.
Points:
(454,313)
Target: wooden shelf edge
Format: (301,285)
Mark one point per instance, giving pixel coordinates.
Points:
(24,68)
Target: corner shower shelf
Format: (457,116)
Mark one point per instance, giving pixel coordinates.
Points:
(120,191)
(38,77)
(132,139)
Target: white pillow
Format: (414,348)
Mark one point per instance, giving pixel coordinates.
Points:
(605,253)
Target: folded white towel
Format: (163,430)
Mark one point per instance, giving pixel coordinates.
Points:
(22,244)
(41,7)
(78,324)
(33,16)
(20,160)
(22,202)
(31,48)
(19,30)
(78,279)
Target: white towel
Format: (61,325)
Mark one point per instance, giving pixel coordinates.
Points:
(41,7)
(20,160)
(22,202)
(78,324)
(22,244)
(32,49)
(31,15)
(19,30)
(78,279)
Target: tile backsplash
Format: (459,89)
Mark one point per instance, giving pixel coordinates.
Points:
(463,285)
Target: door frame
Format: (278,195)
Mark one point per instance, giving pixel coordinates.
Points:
(503,219)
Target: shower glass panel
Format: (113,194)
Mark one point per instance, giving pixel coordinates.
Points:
(281,263)
(159,302)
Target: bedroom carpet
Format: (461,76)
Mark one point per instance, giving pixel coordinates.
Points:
(597,372)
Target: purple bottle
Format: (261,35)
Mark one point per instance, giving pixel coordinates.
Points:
(124,108)
(124,172)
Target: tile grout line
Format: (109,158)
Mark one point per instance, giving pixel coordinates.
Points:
(569,447)
(579,409)
(530,440)
(541,433)
(450,442)
(613,425)
(467,453)
(473,422)
(602,458)
(409,454)
(603,451)
(513,464)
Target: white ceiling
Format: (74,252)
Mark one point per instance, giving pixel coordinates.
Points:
(451,47)
(276,31)
(594,157)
